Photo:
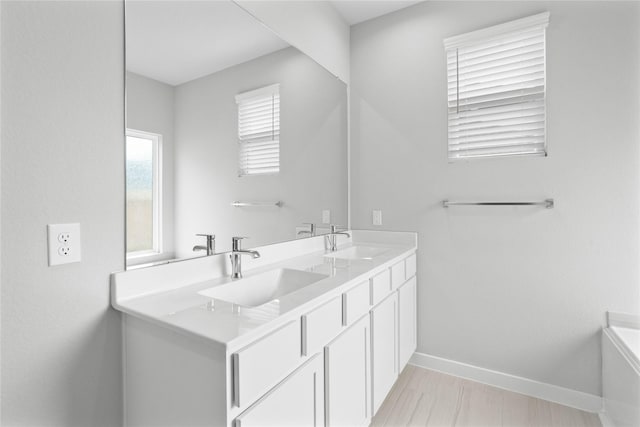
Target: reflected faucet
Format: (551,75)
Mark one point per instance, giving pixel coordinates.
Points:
(236,254)
(330,237)
(311,231)
(211,244)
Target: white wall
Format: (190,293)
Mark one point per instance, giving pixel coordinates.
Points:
(314,27)
(313,163)
(518,290)
(150,109)
(62,161)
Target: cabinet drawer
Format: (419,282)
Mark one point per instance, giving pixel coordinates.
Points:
(397,274)
(262,364)
(355,303)
(321,326)
(380,286)
(411,266)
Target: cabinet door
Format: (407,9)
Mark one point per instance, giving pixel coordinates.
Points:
(297,401)
(406,322)
(347,377)
(384,348)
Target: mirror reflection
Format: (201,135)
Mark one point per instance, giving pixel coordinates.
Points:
(230,132)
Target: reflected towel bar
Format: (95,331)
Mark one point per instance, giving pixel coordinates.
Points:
(548,203)
(238,204)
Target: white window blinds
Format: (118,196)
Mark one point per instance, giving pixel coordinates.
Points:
(496,90)
(259,131)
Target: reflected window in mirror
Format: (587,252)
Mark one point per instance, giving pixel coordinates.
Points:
(259,131)
(143,152)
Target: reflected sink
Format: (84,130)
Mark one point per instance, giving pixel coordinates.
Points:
(262,288)
(357,252)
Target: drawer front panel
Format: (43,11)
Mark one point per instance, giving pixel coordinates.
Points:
(321,326)
(411,266)
(262,364)
(397,275)
(355,303)
(380,286)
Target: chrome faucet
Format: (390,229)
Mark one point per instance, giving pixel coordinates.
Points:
(236,254)
(311,231)
(330,237)
(211,244)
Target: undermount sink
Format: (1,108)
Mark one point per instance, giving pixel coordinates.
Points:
(262,288)
(357,252)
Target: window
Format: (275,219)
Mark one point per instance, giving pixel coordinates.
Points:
(496,90)
(143,193)
(259,131)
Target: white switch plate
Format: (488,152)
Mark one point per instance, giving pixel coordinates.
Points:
(326,216)
(377,217)
(64,243)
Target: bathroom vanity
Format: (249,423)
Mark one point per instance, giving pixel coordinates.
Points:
(306,337)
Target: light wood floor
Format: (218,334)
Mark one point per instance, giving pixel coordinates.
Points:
(422,397)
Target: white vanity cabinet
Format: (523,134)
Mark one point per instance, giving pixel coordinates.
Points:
(331,362)
(347,377)
(296,401)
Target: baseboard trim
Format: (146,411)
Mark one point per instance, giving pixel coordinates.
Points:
(623,320)
(564,396)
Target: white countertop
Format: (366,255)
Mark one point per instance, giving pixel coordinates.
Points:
(182,308)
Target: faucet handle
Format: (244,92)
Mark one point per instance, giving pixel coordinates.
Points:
(333,228)
(206,235)
(235,242)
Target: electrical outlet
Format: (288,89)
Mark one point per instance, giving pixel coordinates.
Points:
(326,216)
(64,243)
(377,217)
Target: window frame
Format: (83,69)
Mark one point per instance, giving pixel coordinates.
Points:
(144,256)
(495,34)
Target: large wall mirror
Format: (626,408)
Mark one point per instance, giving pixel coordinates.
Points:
(221,110)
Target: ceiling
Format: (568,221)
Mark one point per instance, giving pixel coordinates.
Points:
(176,42)
(357,11)
(175,45)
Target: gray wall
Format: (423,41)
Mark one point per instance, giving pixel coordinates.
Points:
(150,109)
(313,146)
(62,161)
(518,290)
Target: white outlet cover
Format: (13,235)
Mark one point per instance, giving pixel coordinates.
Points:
(326,216)
(64,243)
(377,217)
